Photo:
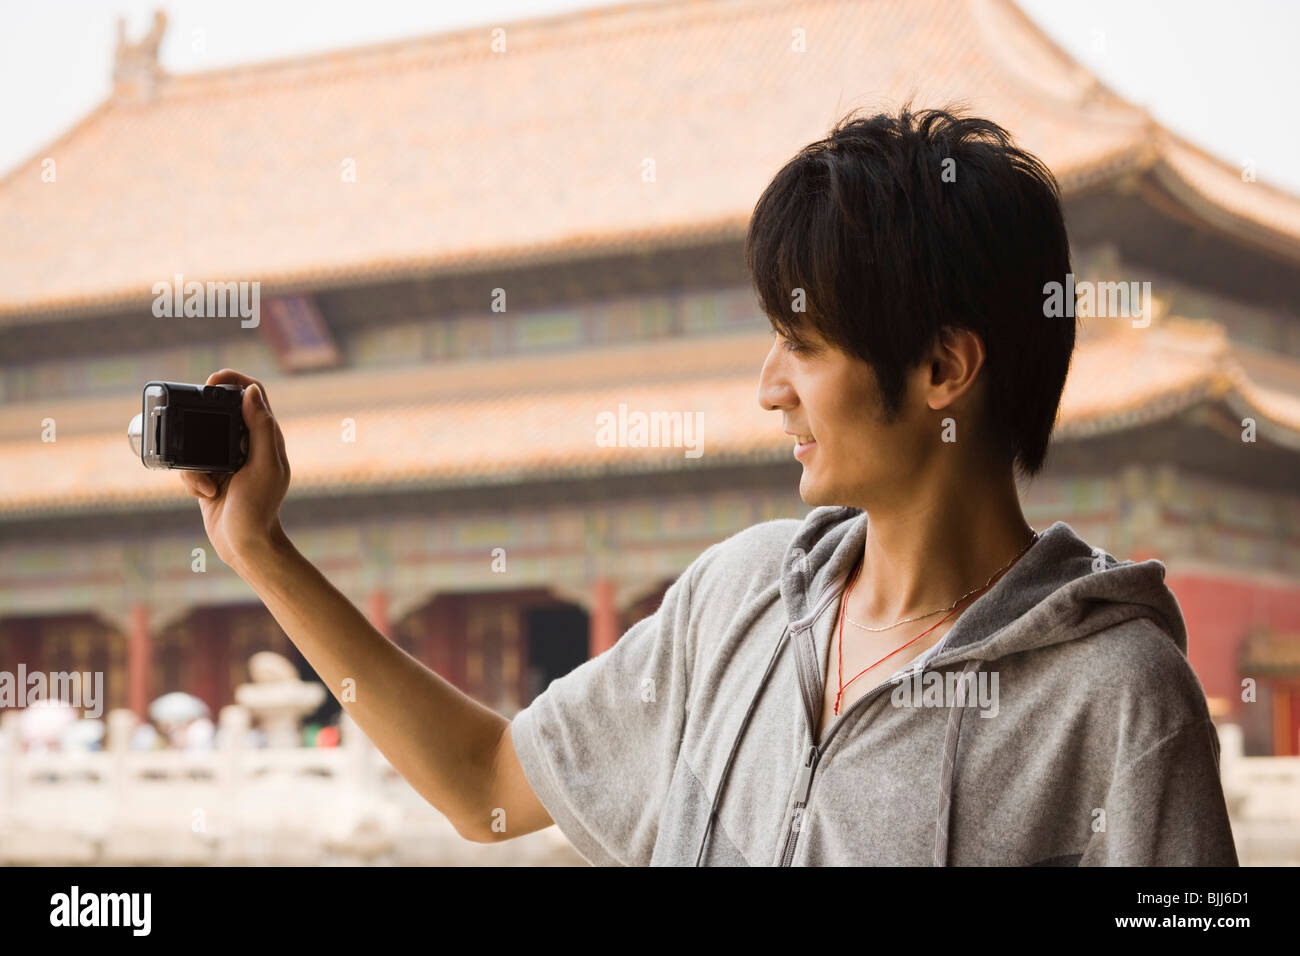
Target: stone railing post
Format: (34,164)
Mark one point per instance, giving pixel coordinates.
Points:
(232,723)
(1231,747)
(11,755)
(359,763)
(1231,755)
(121,725)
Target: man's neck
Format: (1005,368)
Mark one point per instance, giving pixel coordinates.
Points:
(940,544)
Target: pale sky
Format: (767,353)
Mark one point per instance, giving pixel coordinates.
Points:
(1224,75)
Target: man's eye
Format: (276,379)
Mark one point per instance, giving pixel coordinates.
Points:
(792,347)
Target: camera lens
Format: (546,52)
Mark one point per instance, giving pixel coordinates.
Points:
(135,432)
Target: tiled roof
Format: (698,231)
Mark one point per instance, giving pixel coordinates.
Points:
(506,421)
(465,157)
(1131,377)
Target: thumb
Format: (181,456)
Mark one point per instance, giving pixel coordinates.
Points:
(261,427)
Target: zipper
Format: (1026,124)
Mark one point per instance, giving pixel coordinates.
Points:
(803,783)
(807,693)
(810,695)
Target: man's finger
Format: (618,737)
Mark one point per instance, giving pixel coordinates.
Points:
(228,376)
(198,483)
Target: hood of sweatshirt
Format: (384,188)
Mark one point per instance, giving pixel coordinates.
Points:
(1060,590)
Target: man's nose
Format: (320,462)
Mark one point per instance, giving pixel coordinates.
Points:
(774,390)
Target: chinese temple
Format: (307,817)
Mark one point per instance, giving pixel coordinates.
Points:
(472,246)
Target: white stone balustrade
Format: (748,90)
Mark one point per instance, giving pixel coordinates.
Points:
(235,805)
(345,805)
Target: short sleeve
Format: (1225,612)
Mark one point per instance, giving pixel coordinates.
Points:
(1166,808)
(600,744)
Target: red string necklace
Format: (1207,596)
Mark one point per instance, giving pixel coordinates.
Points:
(843,607)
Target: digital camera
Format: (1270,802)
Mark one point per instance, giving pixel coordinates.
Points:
(194,427)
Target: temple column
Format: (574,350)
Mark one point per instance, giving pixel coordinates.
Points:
(603,630)
(139,661)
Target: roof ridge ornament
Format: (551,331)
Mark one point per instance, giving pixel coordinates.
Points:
(136,72)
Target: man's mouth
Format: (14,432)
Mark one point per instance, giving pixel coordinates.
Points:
(803,444)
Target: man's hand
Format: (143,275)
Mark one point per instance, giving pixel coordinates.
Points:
(241,512)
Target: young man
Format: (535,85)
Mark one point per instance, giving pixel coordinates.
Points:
(800,695)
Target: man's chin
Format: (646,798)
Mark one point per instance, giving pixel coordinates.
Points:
(811,493)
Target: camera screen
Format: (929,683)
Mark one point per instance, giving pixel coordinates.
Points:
(207,438)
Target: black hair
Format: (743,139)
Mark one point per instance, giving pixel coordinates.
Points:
(896,226)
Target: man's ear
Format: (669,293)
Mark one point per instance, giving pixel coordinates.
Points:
(956,360)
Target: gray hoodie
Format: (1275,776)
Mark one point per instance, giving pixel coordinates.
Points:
(1087,741)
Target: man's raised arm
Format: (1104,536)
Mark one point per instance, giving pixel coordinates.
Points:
(454,751)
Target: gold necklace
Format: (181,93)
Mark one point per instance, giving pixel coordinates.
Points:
(920,617)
